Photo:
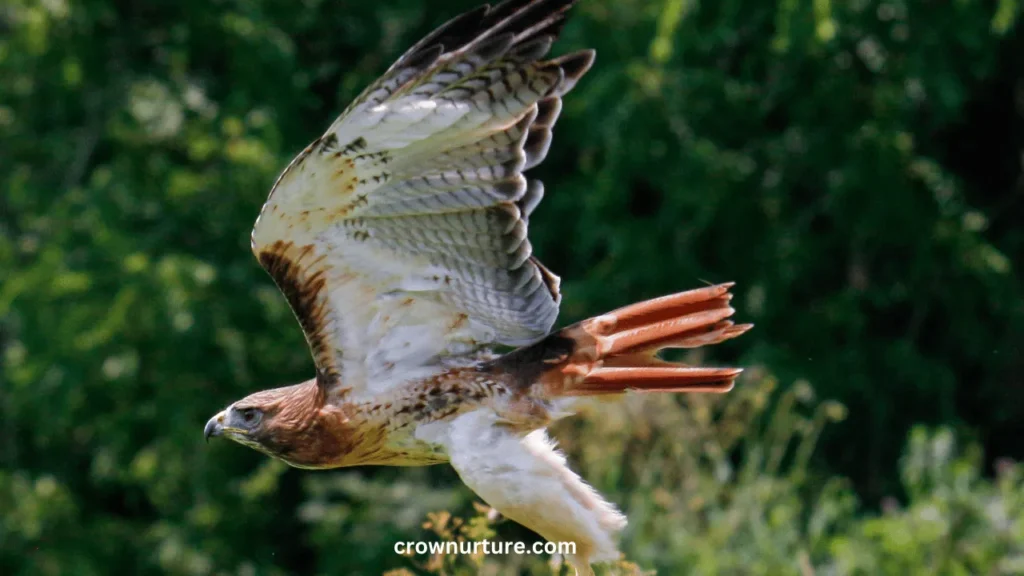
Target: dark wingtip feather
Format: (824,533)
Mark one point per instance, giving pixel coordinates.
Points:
(548,110)
(495,46)
(453,34)
(536,146)
(528,20)
(574,65)
(531,198)
(534,49)
(424,58)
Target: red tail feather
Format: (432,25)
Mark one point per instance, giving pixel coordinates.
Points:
(615,352)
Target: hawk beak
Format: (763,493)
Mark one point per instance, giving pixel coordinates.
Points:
(215,427)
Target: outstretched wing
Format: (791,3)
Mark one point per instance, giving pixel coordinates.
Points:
(527,480)
(400,235)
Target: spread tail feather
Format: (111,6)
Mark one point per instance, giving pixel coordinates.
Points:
(617,351)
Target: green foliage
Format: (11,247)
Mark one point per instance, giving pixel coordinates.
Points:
(956,521)
(766,512)
(855,166)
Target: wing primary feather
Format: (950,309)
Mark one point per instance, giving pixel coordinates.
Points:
(532,50)
(574,66)
(534,194)
(452,34)
(518,16)
(486,34)
(548,110)
(536,146)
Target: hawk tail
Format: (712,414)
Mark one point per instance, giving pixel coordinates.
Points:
(617,351)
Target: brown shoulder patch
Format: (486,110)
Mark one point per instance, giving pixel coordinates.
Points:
(301,276)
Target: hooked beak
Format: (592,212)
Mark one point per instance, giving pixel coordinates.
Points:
(215,427)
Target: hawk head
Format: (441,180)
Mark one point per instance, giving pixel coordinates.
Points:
(285,423)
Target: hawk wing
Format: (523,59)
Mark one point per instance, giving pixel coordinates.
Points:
(400,235)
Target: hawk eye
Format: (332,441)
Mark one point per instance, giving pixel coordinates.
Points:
(250,416)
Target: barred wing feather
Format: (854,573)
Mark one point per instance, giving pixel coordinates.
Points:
(400,235)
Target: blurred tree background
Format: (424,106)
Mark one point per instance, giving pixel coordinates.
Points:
(855,166)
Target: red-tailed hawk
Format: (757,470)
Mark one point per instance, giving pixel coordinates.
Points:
(399,239)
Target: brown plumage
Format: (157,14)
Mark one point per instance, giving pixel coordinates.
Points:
(400,240)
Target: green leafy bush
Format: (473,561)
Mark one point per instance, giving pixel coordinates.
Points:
(695,508)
